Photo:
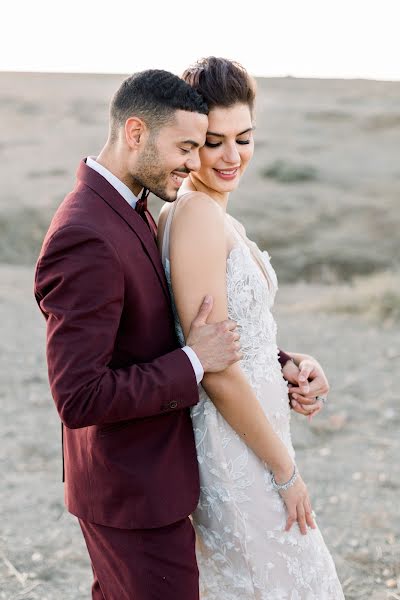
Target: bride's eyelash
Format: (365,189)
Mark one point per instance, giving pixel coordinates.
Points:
(242,142)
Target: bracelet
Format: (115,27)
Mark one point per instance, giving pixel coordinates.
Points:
(284,486)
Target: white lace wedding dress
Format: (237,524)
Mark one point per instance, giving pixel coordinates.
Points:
(243,552)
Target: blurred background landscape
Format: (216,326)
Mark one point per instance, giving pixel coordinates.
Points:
(322,195)
(322,192)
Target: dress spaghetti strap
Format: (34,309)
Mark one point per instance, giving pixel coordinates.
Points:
(166,234)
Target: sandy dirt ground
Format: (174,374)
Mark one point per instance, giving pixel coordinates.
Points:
(323,197)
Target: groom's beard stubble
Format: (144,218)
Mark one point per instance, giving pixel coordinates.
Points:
(149,176)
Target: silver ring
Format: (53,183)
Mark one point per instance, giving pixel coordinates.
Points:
(323,399)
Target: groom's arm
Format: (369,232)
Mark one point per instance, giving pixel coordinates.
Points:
(79,285)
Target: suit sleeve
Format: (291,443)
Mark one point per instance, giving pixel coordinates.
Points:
(283,358)
(79,285)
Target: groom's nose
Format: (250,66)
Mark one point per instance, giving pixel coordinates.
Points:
(193,163)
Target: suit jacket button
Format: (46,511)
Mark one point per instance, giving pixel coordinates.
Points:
(173,404)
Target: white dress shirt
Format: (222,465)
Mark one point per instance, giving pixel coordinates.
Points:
(131,199)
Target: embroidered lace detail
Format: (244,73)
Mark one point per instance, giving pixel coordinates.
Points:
(249,303)
(242,549)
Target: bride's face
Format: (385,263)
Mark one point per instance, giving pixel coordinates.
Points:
(228,149)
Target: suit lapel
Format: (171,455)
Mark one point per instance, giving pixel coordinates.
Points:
(118,204)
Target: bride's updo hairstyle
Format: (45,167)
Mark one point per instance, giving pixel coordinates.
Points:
(221,82)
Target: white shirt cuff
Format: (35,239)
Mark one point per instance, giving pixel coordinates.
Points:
(196,364)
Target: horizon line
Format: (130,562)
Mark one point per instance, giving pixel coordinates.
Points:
(124,74)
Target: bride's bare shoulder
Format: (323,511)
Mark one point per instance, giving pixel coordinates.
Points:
(198,207)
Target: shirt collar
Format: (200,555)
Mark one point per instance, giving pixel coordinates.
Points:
(121,188)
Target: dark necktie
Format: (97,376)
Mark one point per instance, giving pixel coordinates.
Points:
(141,209)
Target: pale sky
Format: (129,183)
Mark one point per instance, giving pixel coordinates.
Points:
(302,38)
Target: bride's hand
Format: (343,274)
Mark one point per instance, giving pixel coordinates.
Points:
(298,506)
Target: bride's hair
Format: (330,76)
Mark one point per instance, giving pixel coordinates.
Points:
(221,82)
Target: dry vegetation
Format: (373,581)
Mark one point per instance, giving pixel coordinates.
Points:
(375,298)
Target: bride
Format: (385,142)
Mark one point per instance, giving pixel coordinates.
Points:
(257,538)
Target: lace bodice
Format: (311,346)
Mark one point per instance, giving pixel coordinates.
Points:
(250,299)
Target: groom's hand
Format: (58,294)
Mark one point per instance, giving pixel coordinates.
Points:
(306,382)
(216,344)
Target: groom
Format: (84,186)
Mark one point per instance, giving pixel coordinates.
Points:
(120,382)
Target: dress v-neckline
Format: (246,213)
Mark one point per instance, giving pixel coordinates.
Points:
(255,252)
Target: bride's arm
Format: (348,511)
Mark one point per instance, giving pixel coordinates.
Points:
(198,267)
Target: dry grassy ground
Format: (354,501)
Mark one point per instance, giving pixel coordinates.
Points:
(322,195)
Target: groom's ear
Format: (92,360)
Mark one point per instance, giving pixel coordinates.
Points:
(135,132)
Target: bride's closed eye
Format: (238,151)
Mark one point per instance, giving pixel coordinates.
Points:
(216,144)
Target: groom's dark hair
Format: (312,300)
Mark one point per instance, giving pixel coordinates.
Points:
(154,96)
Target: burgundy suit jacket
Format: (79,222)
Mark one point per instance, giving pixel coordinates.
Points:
(121,385)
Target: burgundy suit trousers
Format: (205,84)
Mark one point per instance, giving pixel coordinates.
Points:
(143,564)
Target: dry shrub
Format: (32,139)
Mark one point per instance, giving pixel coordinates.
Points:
(287,172)
(21,235)
(376,296)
